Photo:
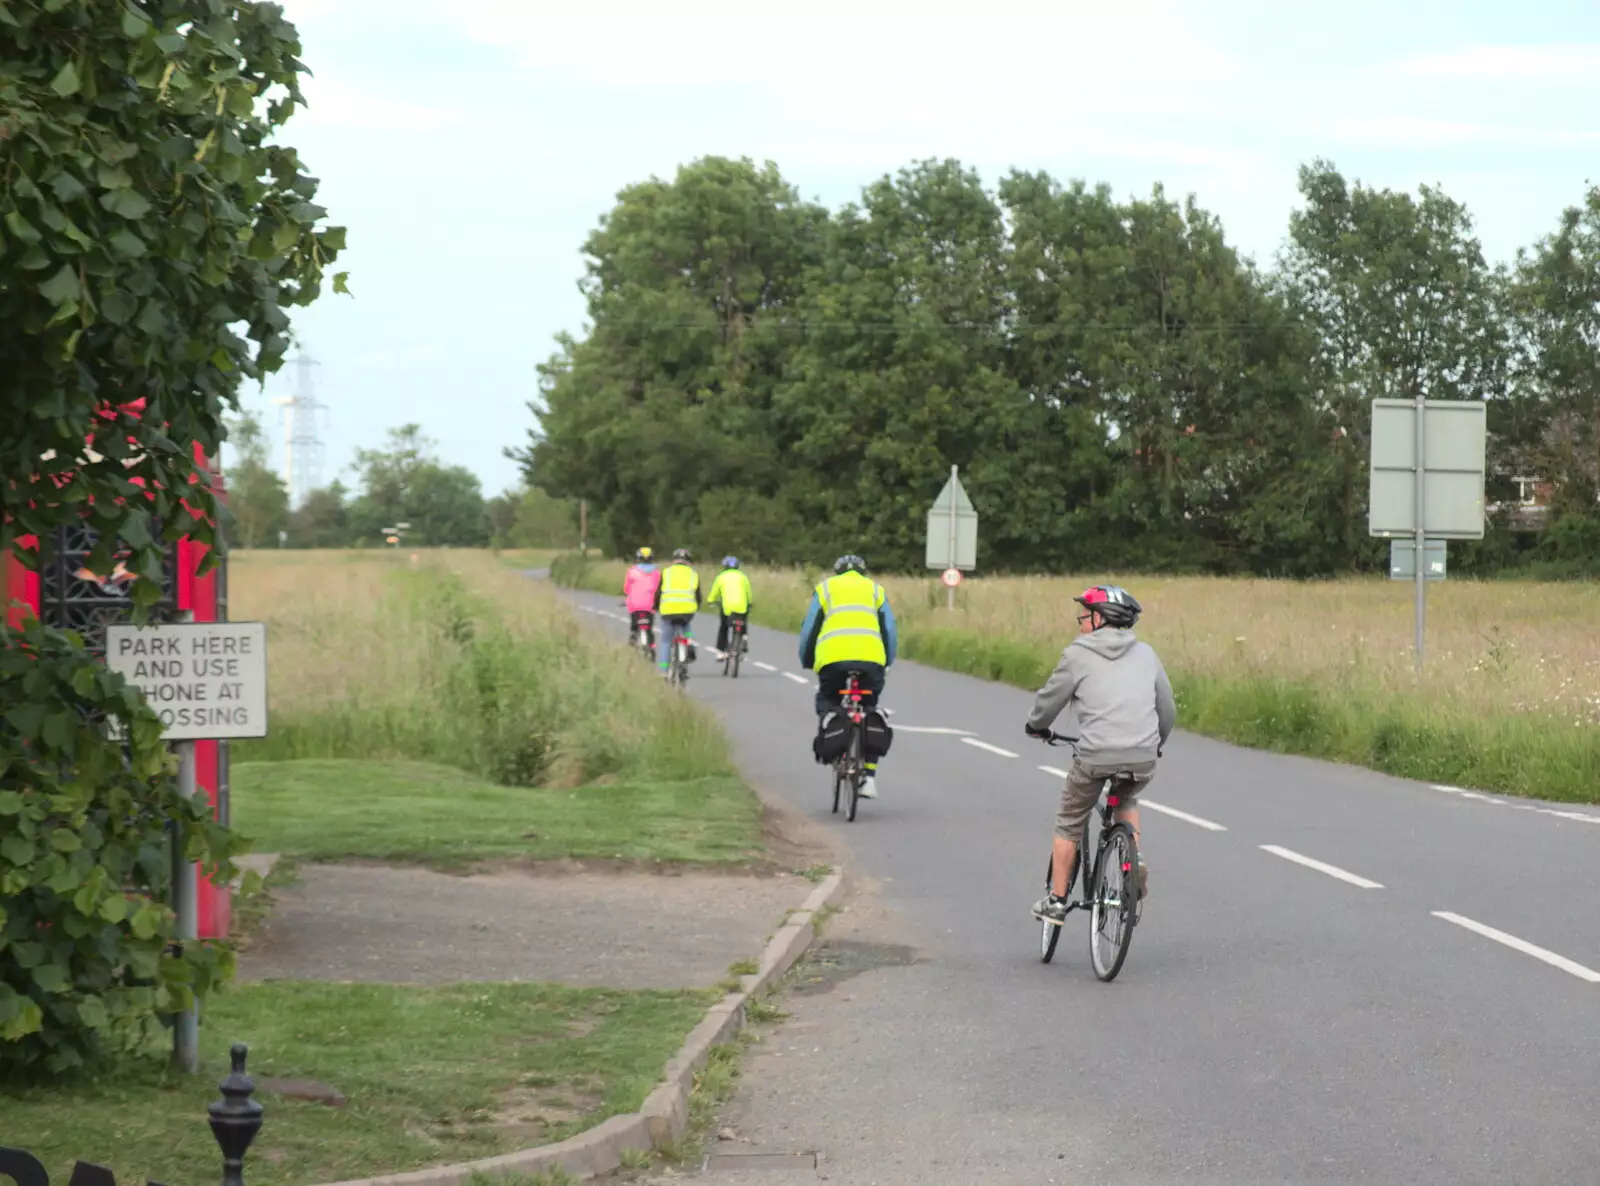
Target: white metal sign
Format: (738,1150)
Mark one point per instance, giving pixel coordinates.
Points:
(952,528)
(1454,438)
(205,680)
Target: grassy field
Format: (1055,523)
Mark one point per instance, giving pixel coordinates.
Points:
(1509,701)
(432,1075)
(323,810)
(460,660)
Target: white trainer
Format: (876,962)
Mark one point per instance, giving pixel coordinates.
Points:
(869,789)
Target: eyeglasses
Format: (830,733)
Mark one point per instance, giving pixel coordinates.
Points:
(1082,618)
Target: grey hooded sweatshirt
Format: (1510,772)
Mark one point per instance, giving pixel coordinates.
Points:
(1122,700)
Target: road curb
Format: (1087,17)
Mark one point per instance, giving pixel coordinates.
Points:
(664,1115)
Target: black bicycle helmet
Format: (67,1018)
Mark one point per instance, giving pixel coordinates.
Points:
(1115,605)
(682,554)
(849,563)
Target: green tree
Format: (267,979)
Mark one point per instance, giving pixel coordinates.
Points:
(1165,379)
(670,396)
(1402,301)
(257,497)
(899,371)
(404,483)
(323,520)
(1557,295)
(150,209)
(527,517)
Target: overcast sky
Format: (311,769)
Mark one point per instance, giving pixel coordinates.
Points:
(471,147)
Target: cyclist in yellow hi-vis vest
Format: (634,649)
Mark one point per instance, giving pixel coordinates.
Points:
(849,627)
(677,601)
(731,591)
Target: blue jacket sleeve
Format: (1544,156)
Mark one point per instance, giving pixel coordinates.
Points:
(891,633)
(809,630)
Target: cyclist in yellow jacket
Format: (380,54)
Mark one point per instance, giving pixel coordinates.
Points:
(677,602)
(731,591)
(849,627)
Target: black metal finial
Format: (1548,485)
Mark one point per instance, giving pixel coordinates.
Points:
(235,1119)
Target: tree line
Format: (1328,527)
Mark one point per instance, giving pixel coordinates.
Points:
(1120,387)
(402,481)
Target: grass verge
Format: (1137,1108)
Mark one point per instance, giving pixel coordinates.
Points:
(417,812)
(1511,701)
(432,1075)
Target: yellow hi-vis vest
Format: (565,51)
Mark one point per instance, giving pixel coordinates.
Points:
(732,589)
(678,585)
(850,630)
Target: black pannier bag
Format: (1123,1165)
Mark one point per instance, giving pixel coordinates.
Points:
(879,735)
(832,739)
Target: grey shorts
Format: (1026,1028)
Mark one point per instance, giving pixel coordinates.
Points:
(1082,792)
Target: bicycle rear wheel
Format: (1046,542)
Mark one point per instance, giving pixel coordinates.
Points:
(1113,902)
(738,651)
(857,772)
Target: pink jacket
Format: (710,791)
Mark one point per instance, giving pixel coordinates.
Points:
(639,588)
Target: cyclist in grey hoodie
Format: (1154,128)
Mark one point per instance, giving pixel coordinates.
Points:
(1124,709)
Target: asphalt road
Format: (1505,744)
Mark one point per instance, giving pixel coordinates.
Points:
(1421,1006)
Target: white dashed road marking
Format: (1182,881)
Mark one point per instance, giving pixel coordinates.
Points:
(1522,945)
(993,749)
(1053,770)
(799,679)
(1183,815)
(1320,866)
(930,729)
(764,666)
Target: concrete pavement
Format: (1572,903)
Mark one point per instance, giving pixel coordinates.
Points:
(1340,977)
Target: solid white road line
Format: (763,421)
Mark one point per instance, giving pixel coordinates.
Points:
(763,666)
(993,749)
(930,729)
(1516,944)
(1319,866)
(1183,815)
(1579,816)
(1054,771)
(799,679)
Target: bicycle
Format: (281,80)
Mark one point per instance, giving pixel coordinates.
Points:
(850,767)
(737,645)
(678,665)
(643,638)
(1108,893)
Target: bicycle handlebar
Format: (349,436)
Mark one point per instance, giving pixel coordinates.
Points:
(1062,739)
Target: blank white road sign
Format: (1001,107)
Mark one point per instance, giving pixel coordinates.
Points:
(205,680)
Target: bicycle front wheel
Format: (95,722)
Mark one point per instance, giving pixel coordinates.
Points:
(1114,900)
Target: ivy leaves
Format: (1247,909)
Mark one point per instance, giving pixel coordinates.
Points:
(86,962)
(156,236)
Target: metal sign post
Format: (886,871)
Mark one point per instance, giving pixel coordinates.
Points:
(185,904)
(1421,495)
(1426,483)
(206,681)
(952,540)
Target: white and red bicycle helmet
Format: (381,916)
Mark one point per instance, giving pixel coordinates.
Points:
(1115,605)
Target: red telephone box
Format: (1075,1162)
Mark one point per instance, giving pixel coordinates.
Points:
(65,594)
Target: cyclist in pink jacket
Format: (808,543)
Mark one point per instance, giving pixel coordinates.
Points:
(639,594)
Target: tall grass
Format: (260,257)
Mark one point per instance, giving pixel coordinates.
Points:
(455,658)
(1509,699)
